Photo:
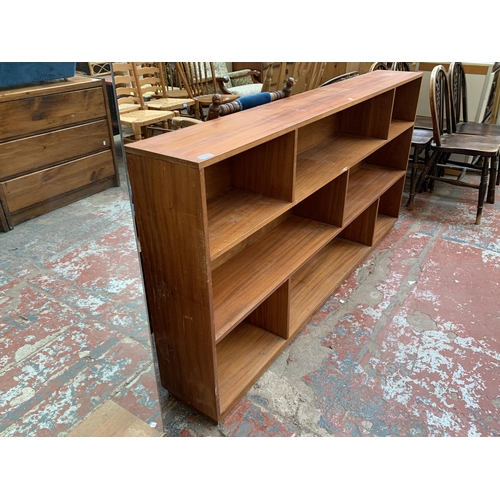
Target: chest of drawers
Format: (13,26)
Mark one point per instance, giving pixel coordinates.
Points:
(56,147)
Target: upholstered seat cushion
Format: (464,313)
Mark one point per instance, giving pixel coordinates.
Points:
(244,90)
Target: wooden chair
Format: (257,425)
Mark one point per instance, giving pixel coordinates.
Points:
(460,123)
(132,109)
(218,108)
(152,81)
(307,75)
(378,66)
(400,66)
(273,76)
(99,68)
(420,140)
(446,142)
(340,78)
(199,80)
(241,83)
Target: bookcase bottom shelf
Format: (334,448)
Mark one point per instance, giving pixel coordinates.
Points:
(244,354)
(241,358)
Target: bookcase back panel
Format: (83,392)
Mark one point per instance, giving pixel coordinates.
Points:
(268,169)
(370,118)
(405,102)
(394,154)
(326,204)
(314,133)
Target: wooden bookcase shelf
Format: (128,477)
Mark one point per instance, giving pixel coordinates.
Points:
(248,223)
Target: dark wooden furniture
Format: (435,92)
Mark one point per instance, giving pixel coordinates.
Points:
(248,223)
(400,66)
(376,66)
(421,140)
(56,147)
(446,142)
(460,122)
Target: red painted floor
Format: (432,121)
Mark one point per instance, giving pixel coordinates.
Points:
(408,346)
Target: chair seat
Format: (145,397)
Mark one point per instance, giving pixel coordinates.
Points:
(244,90)
(472,128)
(475,145)
(146,116)
(168,103)
(421,137)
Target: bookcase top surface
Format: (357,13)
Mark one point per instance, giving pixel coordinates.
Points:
(203,145)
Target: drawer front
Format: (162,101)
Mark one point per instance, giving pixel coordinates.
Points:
(24,117)
(22,156)
(28,190)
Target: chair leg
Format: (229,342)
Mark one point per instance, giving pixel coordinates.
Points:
(428,168)
(493,179)
(413,178)
(482,190)
(136,129)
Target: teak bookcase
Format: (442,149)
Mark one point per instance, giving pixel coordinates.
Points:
(248,223)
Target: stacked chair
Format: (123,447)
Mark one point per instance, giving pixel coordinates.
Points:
(450,138)
(132,108)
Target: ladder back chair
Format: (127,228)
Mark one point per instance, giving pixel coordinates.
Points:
(132,109)
(151,78)
(446,142)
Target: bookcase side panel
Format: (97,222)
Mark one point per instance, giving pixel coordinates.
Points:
(170,213)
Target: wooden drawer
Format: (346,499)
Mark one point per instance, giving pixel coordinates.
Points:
(26,155)
(20,118)
(28,190)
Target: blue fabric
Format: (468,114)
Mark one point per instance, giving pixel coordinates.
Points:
(250,101)
(13,74)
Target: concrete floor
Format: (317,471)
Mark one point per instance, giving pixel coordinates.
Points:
(408,346)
